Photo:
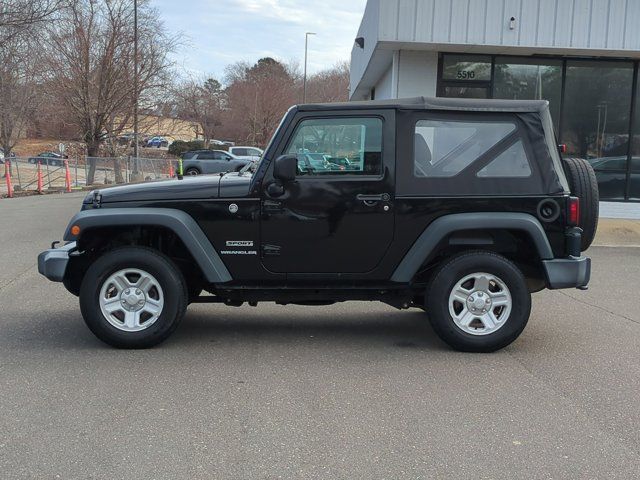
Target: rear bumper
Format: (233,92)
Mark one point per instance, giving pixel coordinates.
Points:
(571,272)
(53,263)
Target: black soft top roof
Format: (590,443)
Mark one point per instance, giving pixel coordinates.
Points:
(433,103)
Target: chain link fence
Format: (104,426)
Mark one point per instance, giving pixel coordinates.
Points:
(83,172)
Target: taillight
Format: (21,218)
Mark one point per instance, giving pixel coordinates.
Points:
(573,211)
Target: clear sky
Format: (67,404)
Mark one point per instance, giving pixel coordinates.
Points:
(216,33)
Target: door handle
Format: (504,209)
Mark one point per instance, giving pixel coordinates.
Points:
(371,199)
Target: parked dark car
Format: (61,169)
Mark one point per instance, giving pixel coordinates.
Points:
(52,158)
(211,161)
(612,175)
(461,208)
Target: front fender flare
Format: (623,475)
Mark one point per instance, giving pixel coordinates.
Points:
(179,222)
(443,226)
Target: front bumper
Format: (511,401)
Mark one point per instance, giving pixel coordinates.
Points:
(571,272)
(52,263)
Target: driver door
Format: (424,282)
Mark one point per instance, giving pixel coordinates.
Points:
(332,219)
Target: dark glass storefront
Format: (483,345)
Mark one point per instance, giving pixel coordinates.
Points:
(594,104)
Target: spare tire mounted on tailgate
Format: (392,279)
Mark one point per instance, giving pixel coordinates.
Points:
(583,184)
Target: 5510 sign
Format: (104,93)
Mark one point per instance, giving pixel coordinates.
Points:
(465,75)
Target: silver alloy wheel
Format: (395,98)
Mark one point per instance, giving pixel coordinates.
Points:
(131,300)
(480,304)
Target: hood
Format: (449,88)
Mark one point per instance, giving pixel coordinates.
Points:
(189,188)
(235,185)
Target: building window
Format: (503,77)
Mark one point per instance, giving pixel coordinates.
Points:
(633,181)
(466,68)
(529,79)
(595,120)
(464,92)
(465,76)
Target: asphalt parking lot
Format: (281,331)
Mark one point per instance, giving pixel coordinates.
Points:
(356,390)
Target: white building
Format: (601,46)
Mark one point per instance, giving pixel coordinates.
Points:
(581,55)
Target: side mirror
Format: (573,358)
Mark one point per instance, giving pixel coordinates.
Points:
(285,168)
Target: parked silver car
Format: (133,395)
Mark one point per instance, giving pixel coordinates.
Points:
(246,153)
(211,161)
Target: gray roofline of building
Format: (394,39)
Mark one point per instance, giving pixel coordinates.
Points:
(435,103)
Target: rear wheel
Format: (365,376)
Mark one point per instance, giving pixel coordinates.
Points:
(584,185)
(192,171)
(133,297)
(478,302)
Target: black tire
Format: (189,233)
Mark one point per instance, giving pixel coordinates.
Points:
(161,268)
(456,269)
(192,171)
(584,185)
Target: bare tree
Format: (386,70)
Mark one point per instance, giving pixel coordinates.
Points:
(19,15)
(258,96)
(91,60)
(18,19)
(17,88)
(331,85)
(201,102)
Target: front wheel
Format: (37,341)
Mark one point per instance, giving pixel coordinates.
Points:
(478,302)
(133,297)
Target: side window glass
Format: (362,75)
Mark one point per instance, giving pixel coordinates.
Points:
(338,146)
(240,152)
(512,162)
(205,156)
(445,148)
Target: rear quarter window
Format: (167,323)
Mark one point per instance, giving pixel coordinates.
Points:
(470,153)
(445,148)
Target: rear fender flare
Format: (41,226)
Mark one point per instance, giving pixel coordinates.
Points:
(179,222)
(439,229)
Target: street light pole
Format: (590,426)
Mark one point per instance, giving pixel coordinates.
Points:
(304,79)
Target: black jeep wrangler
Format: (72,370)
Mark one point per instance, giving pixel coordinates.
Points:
(462,208)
